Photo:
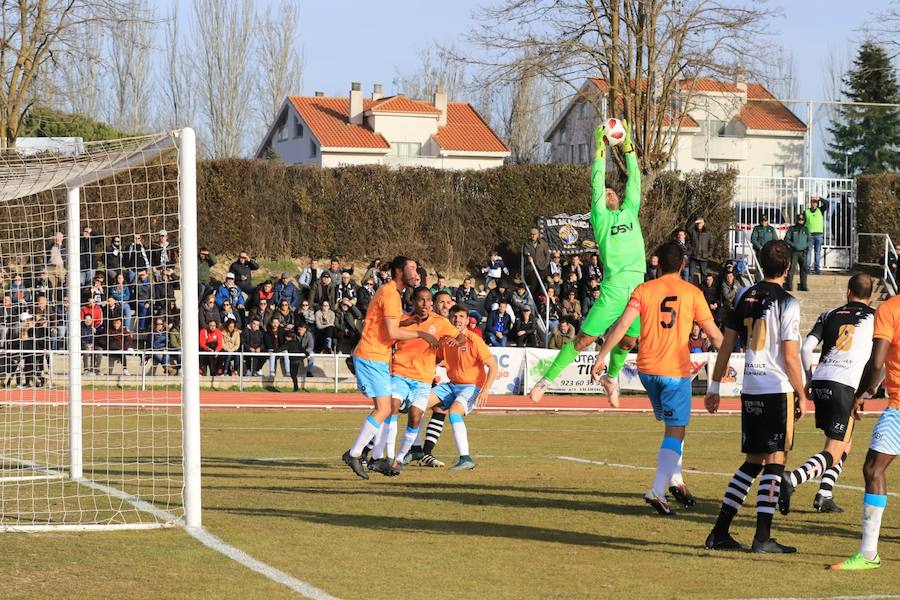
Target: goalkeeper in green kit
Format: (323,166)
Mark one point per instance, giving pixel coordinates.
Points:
(620,244)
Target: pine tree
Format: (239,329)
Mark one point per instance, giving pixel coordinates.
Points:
(867,137)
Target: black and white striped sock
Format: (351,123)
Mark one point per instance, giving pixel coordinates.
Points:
(812,468)
(433,432)
(735,493)
(829,477)
(767,500)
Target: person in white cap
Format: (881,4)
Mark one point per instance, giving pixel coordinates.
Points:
(230,291)
(164,254)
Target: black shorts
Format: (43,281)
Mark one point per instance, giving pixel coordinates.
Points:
(834,402)
(767,423)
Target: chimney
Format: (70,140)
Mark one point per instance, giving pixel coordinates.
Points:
(377,94)
(740,79)
(319,94)
(356,103)
(440,103)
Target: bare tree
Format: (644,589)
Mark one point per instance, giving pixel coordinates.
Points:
(222,47)
(436,67)
(36,37)
(80,86)
(130,46)
(885,28)
(179,97)
(522,130)
(281,64)
(645,49)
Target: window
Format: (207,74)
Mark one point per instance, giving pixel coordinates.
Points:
(406,149)
(298,127)
(562,133)
(776,170)
(313,149)
(715,127)
(281,134)
(572,153)
(583,153)
(582,110)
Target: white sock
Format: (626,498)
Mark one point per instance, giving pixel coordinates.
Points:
(380,442)
(391,437)
(873,508)
(666,464)
(409,438)
(420,437)
(369,429)
(676,478)
(460,434)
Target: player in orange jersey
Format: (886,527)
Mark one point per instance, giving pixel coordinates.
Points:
(412,371)
(372,354)
(668,307)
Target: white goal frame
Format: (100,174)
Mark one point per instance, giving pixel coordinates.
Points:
(185,141)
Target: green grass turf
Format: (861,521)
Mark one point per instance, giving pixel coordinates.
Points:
(523,524)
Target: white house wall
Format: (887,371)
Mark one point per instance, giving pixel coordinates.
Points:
(406,128)
(750,155)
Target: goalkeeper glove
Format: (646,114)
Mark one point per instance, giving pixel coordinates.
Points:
(627,144)
(600,143)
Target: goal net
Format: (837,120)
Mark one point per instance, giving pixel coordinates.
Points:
(99,404)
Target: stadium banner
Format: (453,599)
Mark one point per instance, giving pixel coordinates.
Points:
(733,379)
(574,379)
(568,234)
(629,379)
(511,370)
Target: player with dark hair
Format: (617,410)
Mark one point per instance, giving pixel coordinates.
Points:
(667,307)
(372,354)
(766,318)
(846,336)
(412,371)
(620,245)
(885,436)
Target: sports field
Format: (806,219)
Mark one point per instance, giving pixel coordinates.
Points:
(526,523)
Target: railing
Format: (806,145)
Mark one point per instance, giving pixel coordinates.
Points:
(890,252)
(544,319)
(742,249)
(52,367)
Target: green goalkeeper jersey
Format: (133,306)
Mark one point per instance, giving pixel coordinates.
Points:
(620,242)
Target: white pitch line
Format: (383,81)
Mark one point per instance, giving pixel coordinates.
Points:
(604,463)
(875,597)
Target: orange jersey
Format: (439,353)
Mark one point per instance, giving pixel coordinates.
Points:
(415,359)
(887,327)
(465,364)
(375,343)
(668,306)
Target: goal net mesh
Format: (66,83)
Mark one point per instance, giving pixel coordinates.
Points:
(128,334)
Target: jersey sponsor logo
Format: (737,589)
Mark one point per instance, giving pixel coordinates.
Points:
(754,407)
(624,228)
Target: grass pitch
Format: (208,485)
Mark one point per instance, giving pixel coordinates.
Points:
(523,524)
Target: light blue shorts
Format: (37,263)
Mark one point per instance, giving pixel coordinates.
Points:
(410,392)
(886,434)
(373,378)
(670,397)
(464,393)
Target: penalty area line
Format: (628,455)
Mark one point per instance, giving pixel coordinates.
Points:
(604,463)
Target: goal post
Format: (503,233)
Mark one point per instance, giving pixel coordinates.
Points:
(98,271)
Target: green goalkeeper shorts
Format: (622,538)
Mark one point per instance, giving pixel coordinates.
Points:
(614,295)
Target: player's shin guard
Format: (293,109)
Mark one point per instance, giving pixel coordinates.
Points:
(735,493)
(830,476)
(812,468)
(433,432)
(666,461)
(369,429)
(409,438)
(873,508)
(460,434)
(616,361)
(767,500)
(565,357)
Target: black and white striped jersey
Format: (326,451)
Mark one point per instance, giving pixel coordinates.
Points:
(846,336)
(764,316)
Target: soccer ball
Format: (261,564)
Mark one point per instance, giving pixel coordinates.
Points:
(614,130)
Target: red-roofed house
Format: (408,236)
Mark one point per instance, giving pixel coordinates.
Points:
(727,124)
(393,131)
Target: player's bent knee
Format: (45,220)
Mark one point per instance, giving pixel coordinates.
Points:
(583,341)
(627,343)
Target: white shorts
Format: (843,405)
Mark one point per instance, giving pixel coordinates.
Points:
(464,393)
(410,392)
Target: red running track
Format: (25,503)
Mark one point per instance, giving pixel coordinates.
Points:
(350,400)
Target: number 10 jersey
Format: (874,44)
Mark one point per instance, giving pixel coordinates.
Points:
(764,316)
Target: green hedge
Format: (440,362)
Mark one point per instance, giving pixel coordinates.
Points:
(877,211)
(449,219)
